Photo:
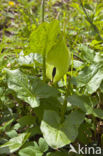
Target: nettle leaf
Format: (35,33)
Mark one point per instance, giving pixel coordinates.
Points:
(14,144)
(58,135)
(28,88)
(90,78)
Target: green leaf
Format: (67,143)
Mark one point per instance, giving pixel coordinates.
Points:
(14,144)
(6,125)
(29,60)
(87,54)
(83,102)
(43,145)
(98,113)
(58,135)
(47,104)
(89,7)
(34,149)
(85,133)
(28,88)
(90,78)
(11,133)
(27,120)
(77,64)
(30,151)
(101,87)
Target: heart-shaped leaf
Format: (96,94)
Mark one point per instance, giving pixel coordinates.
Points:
(59,134)
(28,88)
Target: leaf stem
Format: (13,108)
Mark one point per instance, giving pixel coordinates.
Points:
(44,66)
(64,107)
(44,53)
(43,9)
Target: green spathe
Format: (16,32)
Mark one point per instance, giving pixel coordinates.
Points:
(48,40)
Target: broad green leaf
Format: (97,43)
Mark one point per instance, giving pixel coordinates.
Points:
(29,151)
(58,57)
(11,134)
(77,64)
(59,134)
(87,54)
(27,120)
(34,149)
(90,78)
(85,133)
(98,58)
(101,87)
(43,145)
(98,113)
(85,103)
(28,88)
(14,144)
(47,104)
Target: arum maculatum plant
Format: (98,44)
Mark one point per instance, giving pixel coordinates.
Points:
(48,39)
(49,100)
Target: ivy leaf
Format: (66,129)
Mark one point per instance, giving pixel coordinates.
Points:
(28,88)
(58,135)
